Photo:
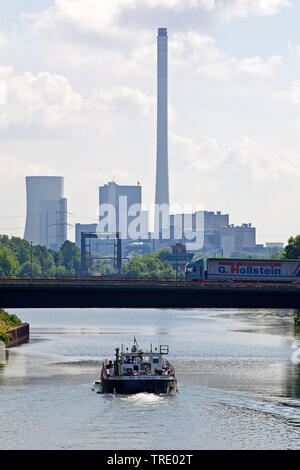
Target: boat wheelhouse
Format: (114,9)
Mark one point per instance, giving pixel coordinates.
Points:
(137,371)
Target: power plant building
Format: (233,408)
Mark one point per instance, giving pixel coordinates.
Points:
(46,213)
(237,239)
(123,200)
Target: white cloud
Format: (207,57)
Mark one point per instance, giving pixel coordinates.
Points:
(202,55)
(4,41)
(257,67)
(97,178)
(13,169)
(186,154)
(294,50)
(245,159)
(124,99)
(243,8)
(103,26)
(47,101)
(88,34)
(105,16)
(190,50)
(295,93)
(5,71)
(259,162)
(248,180)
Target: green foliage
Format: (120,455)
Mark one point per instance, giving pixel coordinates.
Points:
(106,268)
(4,337)
(35,269)
(162,254)
(9,265)
(292,250)
(10,320)
(46,261)
(148,266)
(61,272)
(15,259)
(70,256)
(7,321)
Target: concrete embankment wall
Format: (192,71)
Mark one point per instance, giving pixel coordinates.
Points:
(18,335)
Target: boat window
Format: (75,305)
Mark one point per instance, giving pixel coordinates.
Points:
(129,360)
(146,359)
(155,360)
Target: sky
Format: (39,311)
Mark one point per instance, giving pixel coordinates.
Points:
(78,99)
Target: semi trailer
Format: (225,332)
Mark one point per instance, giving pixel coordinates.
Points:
(229,269)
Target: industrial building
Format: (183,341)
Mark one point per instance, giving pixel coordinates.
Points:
(237,239)
(219,237)
(46,213)
(121,199)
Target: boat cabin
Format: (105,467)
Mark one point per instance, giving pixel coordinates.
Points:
(138,362)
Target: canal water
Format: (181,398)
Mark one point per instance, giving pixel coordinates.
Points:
(238,380)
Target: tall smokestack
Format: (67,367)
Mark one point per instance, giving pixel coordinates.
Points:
(162,174)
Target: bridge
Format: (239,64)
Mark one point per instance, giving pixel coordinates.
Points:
(89,293)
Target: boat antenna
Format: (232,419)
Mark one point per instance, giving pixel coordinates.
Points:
(135,341)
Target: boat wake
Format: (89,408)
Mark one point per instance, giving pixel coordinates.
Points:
(282,408)
(143,399)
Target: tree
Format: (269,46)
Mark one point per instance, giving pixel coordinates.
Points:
(70,256)
(21,249)
(28,268)
(148,266)
(45,260)
(61,272)
(9,266)
(15,259)
(292,250)
(106,268)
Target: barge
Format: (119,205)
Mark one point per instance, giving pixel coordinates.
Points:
(137,371)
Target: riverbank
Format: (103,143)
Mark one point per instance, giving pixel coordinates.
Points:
(12,331)
(18,335)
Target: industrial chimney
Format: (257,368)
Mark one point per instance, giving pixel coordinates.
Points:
(162,174)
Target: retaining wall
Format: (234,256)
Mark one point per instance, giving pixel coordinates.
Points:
(19,335)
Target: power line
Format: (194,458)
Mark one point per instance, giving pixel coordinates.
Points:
(12,217)
(72,214)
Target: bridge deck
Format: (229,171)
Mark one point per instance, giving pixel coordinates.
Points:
(89,293)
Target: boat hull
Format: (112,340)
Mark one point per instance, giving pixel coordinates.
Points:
(130,386)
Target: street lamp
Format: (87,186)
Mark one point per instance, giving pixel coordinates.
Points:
(30,261)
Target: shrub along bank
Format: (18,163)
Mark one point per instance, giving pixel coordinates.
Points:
(7,322)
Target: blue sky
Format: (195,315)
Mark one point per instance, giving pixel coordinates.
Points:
(80,81)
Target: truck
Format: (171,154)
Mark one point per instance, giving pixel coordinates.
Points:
(230,269)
